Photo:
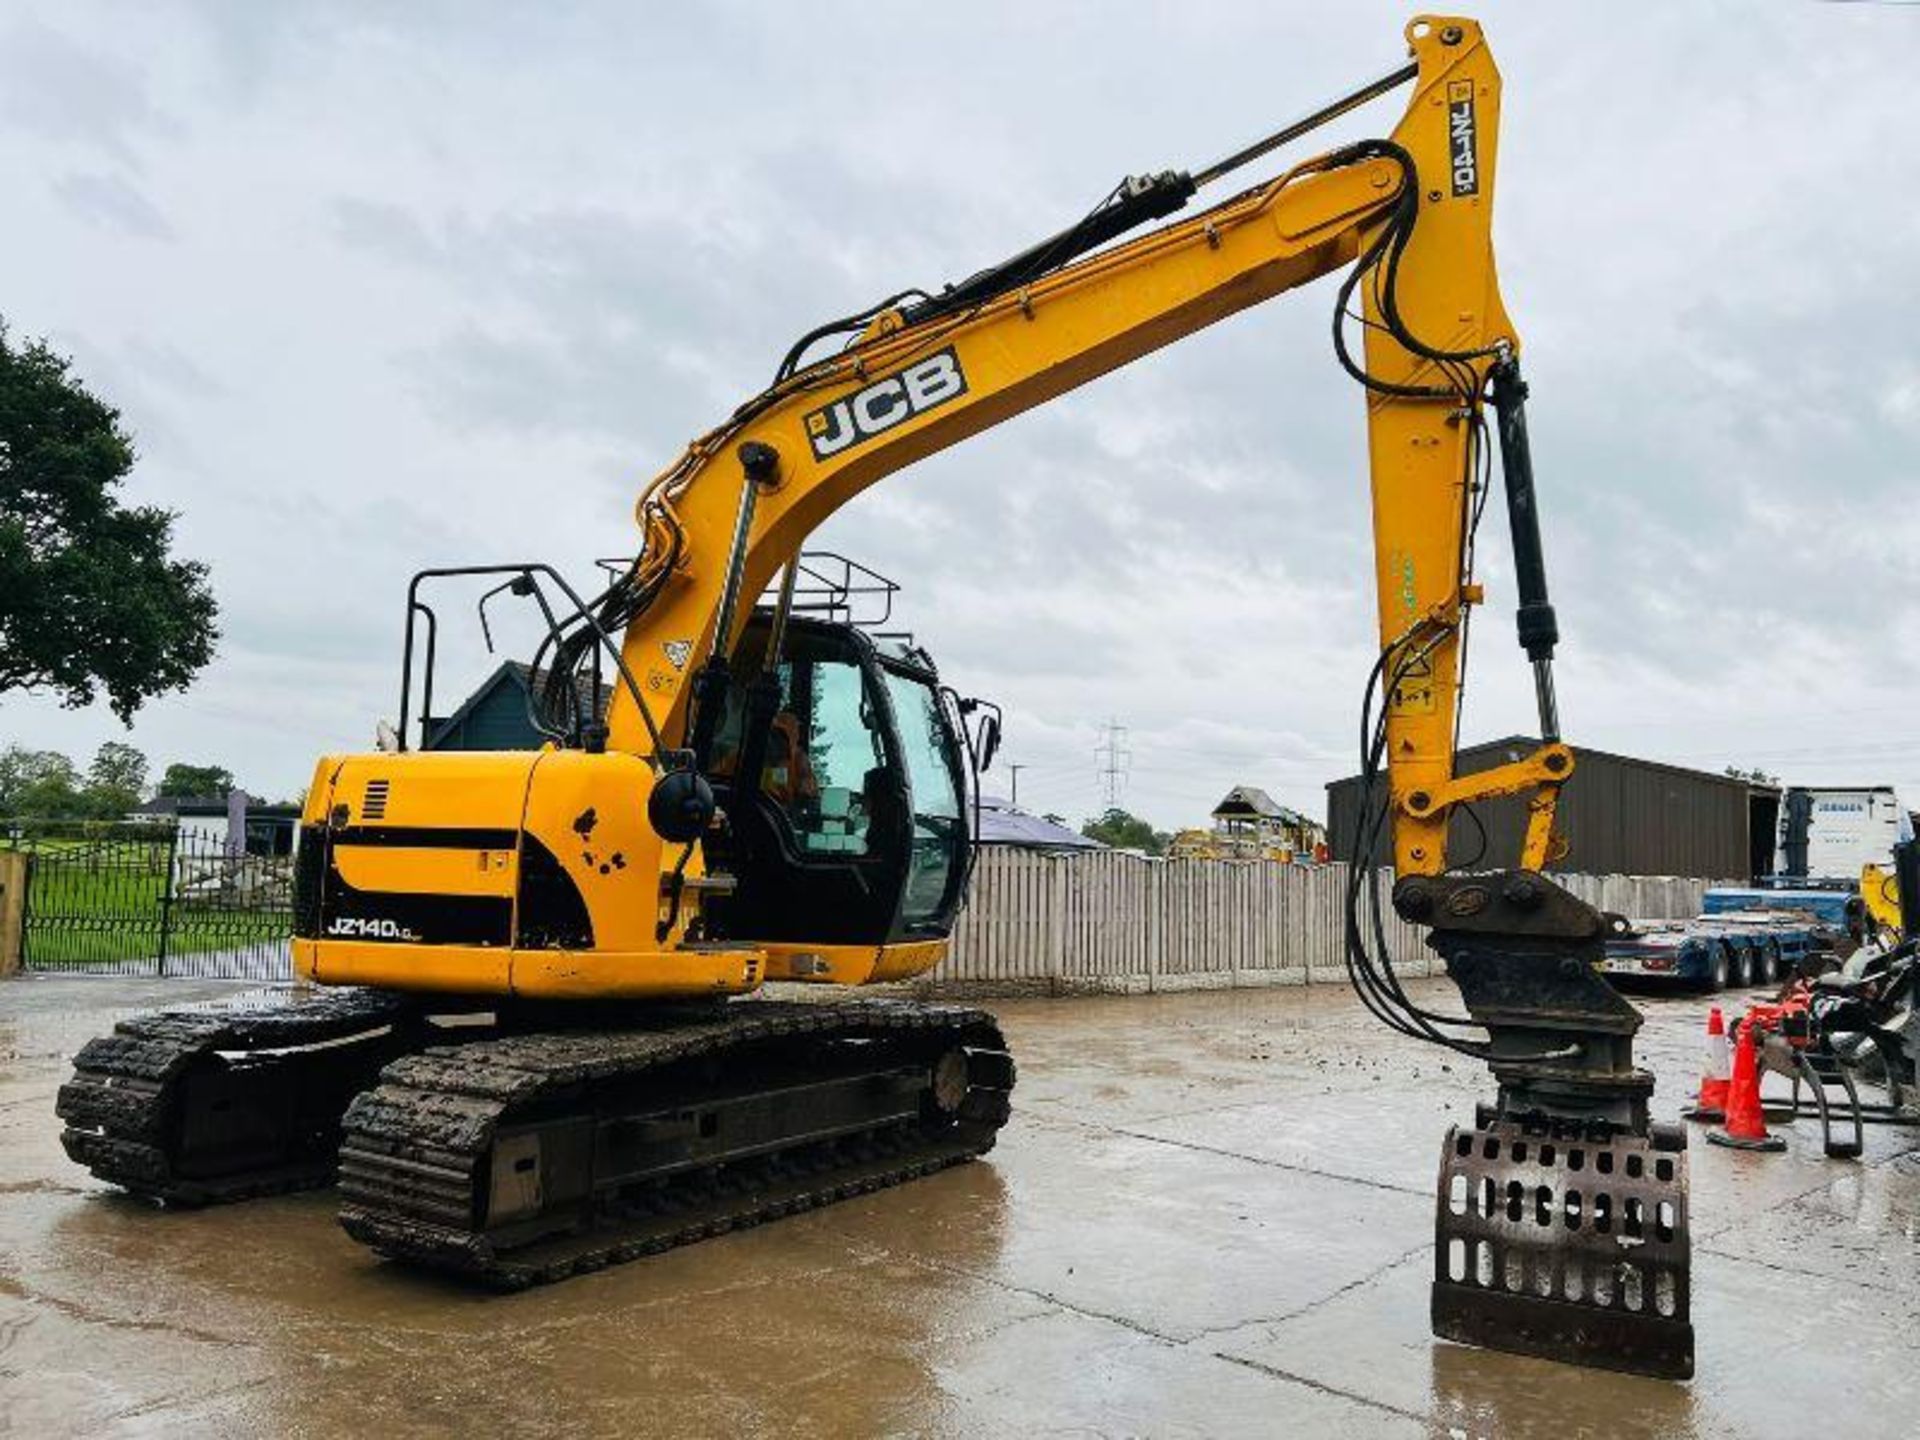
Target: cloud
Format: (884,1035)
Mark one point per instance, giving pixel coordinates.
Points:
(76,93)
(110,202)
(450,286)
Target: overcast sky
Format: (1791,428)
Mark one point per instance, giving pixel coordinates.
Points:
(385,286)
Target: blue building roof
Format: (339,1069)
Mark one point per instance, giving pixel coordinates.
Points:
(1001,824)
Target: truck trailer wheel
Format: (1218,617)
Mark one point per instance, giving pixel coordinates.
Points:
(1722,968)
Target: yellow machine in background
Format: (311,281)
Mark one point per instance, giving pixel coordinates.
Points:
(771,797)
(1880,890)
(1213,845)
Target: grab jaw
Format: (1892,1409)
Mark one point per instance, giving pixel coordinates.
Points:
(1561,1221)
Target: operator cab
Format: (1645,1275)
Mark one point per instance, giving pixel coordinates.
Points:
(855,832)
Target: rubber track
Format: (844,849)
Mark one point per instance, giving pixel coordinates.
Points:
(415,1148)
(123,1104)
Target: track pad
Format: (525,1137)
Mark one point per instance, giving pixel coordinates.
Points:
(1565,1241)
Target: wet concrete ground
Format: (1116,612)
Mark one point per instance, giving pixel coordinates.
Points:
(1211,1215)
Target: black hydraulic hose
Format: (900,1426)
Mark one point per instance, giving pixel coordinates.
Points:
(843,326)
(1133,202)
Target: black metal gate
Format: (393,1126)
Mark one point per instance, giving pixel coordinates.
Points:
(152,900)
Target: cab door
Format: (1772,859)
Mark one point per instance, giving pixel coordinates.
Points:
(818,842)
(937,841)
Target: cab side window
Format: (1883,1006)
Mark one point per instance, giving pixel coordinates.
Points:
(825,756)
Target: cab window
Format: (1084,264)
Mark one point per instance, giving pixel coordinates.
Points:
(824,752)
(936,846)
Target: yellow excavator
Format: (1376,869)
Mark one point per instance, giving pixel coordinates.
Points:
(524,1061)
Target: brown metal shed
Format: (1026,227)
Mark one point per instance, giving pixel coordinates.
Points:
(1620,815)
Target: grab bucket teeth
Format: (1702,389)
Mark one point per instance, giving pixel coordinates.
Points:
(1565,1243)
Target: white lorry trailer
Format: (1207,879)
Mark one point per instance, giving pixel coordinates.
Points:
(1826,835)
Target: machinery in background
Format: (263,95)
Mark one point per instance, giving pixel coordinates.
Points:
(1804,921)
(1825,836)
(1729,952)
(523,1052)
(1743,938)
(1249,825)
(1833,1033)
(1880,894)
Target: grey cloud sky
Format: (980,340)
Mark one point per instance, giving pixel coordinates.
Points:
(381,287)
(112,203)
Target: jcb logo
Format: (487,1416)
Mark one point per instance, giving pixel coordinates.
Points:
(925,385)
(1463,138)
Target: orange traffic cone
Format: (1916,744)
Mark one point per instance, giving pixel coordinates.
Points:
(1711,1103)
(1746,1127)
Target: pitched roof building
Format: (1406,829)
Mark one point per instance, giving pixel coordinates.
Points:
(1620,814)
(1249,811)
(495,716)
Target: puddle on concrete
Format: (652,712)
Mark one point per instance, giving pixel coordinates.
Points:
(1170,1239)
(1500,1397)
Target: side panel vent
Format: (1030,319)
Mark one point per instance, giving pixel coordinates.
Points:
(373,805)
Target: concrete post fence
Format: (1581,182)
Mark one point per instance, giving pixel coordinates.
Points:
(1106,921)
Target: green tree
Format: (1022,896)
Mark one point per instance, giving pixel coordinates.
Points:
(38,785)
(1126,832)
(91,599)
(115,780)
(188,782)
(118,766)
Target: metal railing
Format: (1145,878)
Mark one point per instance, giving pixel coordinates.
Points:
(151,899)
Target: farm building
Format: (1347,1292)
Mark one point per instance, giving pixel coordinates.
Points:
(1621,815)
(1250,814)
(494,716)
(1248,824)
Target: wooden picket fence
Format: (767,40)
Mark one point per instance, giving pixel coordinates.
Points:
(1106,921)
